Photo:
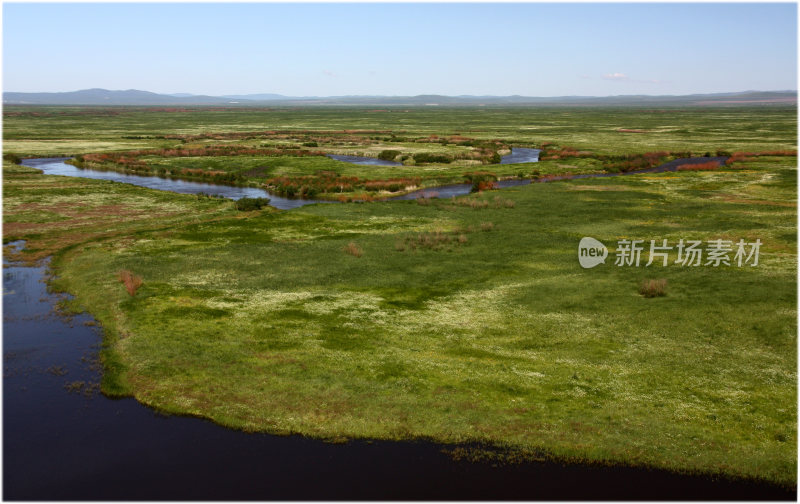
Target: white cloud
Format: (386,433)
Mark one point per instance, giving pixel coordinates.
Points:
(616,76)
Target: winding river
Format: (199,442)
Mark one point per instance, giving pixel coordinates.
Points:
(63,440)
(57,166)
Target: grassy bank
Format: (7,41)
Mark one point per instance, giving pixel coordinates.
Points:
(470,322)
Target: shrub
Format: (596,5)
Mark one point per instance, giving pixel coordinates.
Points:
(388,155)
(481,180)
(653,288)
(353,250)
(310,144)
(131,281)
(711,165)
(249,204)
(10,156)
(427,157)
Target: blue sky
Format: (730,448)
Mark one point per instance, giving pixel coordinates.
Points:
(296,49)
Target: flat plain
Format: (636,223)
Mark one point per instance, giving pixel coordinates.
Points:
(456,320)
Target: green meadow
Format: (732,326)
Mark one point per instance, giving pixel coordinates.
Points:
(455,320)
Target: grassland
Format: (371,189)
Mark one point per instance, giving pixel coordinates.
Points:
(274,148)
(458,320)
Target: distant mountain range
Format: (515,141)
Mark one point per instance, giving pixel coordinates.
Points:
(145,98)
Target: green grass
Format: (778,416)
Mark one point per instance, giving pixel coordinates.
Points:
(266,323)
(263,321)
(40,130)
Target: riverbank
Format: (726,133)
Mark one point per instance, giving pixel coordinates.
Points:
(58,430)
(495,337)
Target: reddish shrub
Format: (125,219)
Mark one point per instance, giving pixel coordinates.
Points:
(711,165)
(131,281)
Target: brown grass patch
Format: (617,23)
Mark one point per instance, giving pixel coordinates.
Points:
(711,165)
(653,288)
(132,282)
(353,250)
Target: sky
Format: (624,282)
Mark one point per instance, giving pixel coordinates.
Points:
(301,49)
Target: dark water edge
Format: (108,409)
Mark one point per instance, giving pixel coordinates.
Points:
(363,160)
(57,166)
(80,445)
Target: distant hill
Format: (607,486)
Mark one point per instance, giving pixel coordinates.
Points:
(146,98)
(106,97)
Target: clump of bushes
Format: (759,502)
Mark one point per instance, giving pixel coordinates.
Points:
(711,165)
(631,162)
(481,180)
(132,282)
(310,144)
(13,158)
(308,186)
(250,204)
(389,155)
(427,157)
(653,288)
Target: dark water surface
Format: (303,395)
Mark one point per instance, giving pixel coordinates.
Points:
(364,160)
(80,445)
(521,155)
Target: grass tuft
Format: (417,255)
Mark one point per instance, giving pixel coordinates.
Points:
(353,250)
(653,288)
(131,281)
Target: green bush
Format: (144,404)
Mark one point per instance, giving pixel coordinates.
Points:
(388,155)
(12,158)
(249,204)
(427,157)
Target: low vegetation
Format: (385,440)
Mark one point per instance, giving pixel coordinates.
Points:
(456,320)
(130,281)
(653,288)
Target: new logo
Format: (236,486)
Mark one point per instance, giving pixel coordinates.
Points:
(591,252)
